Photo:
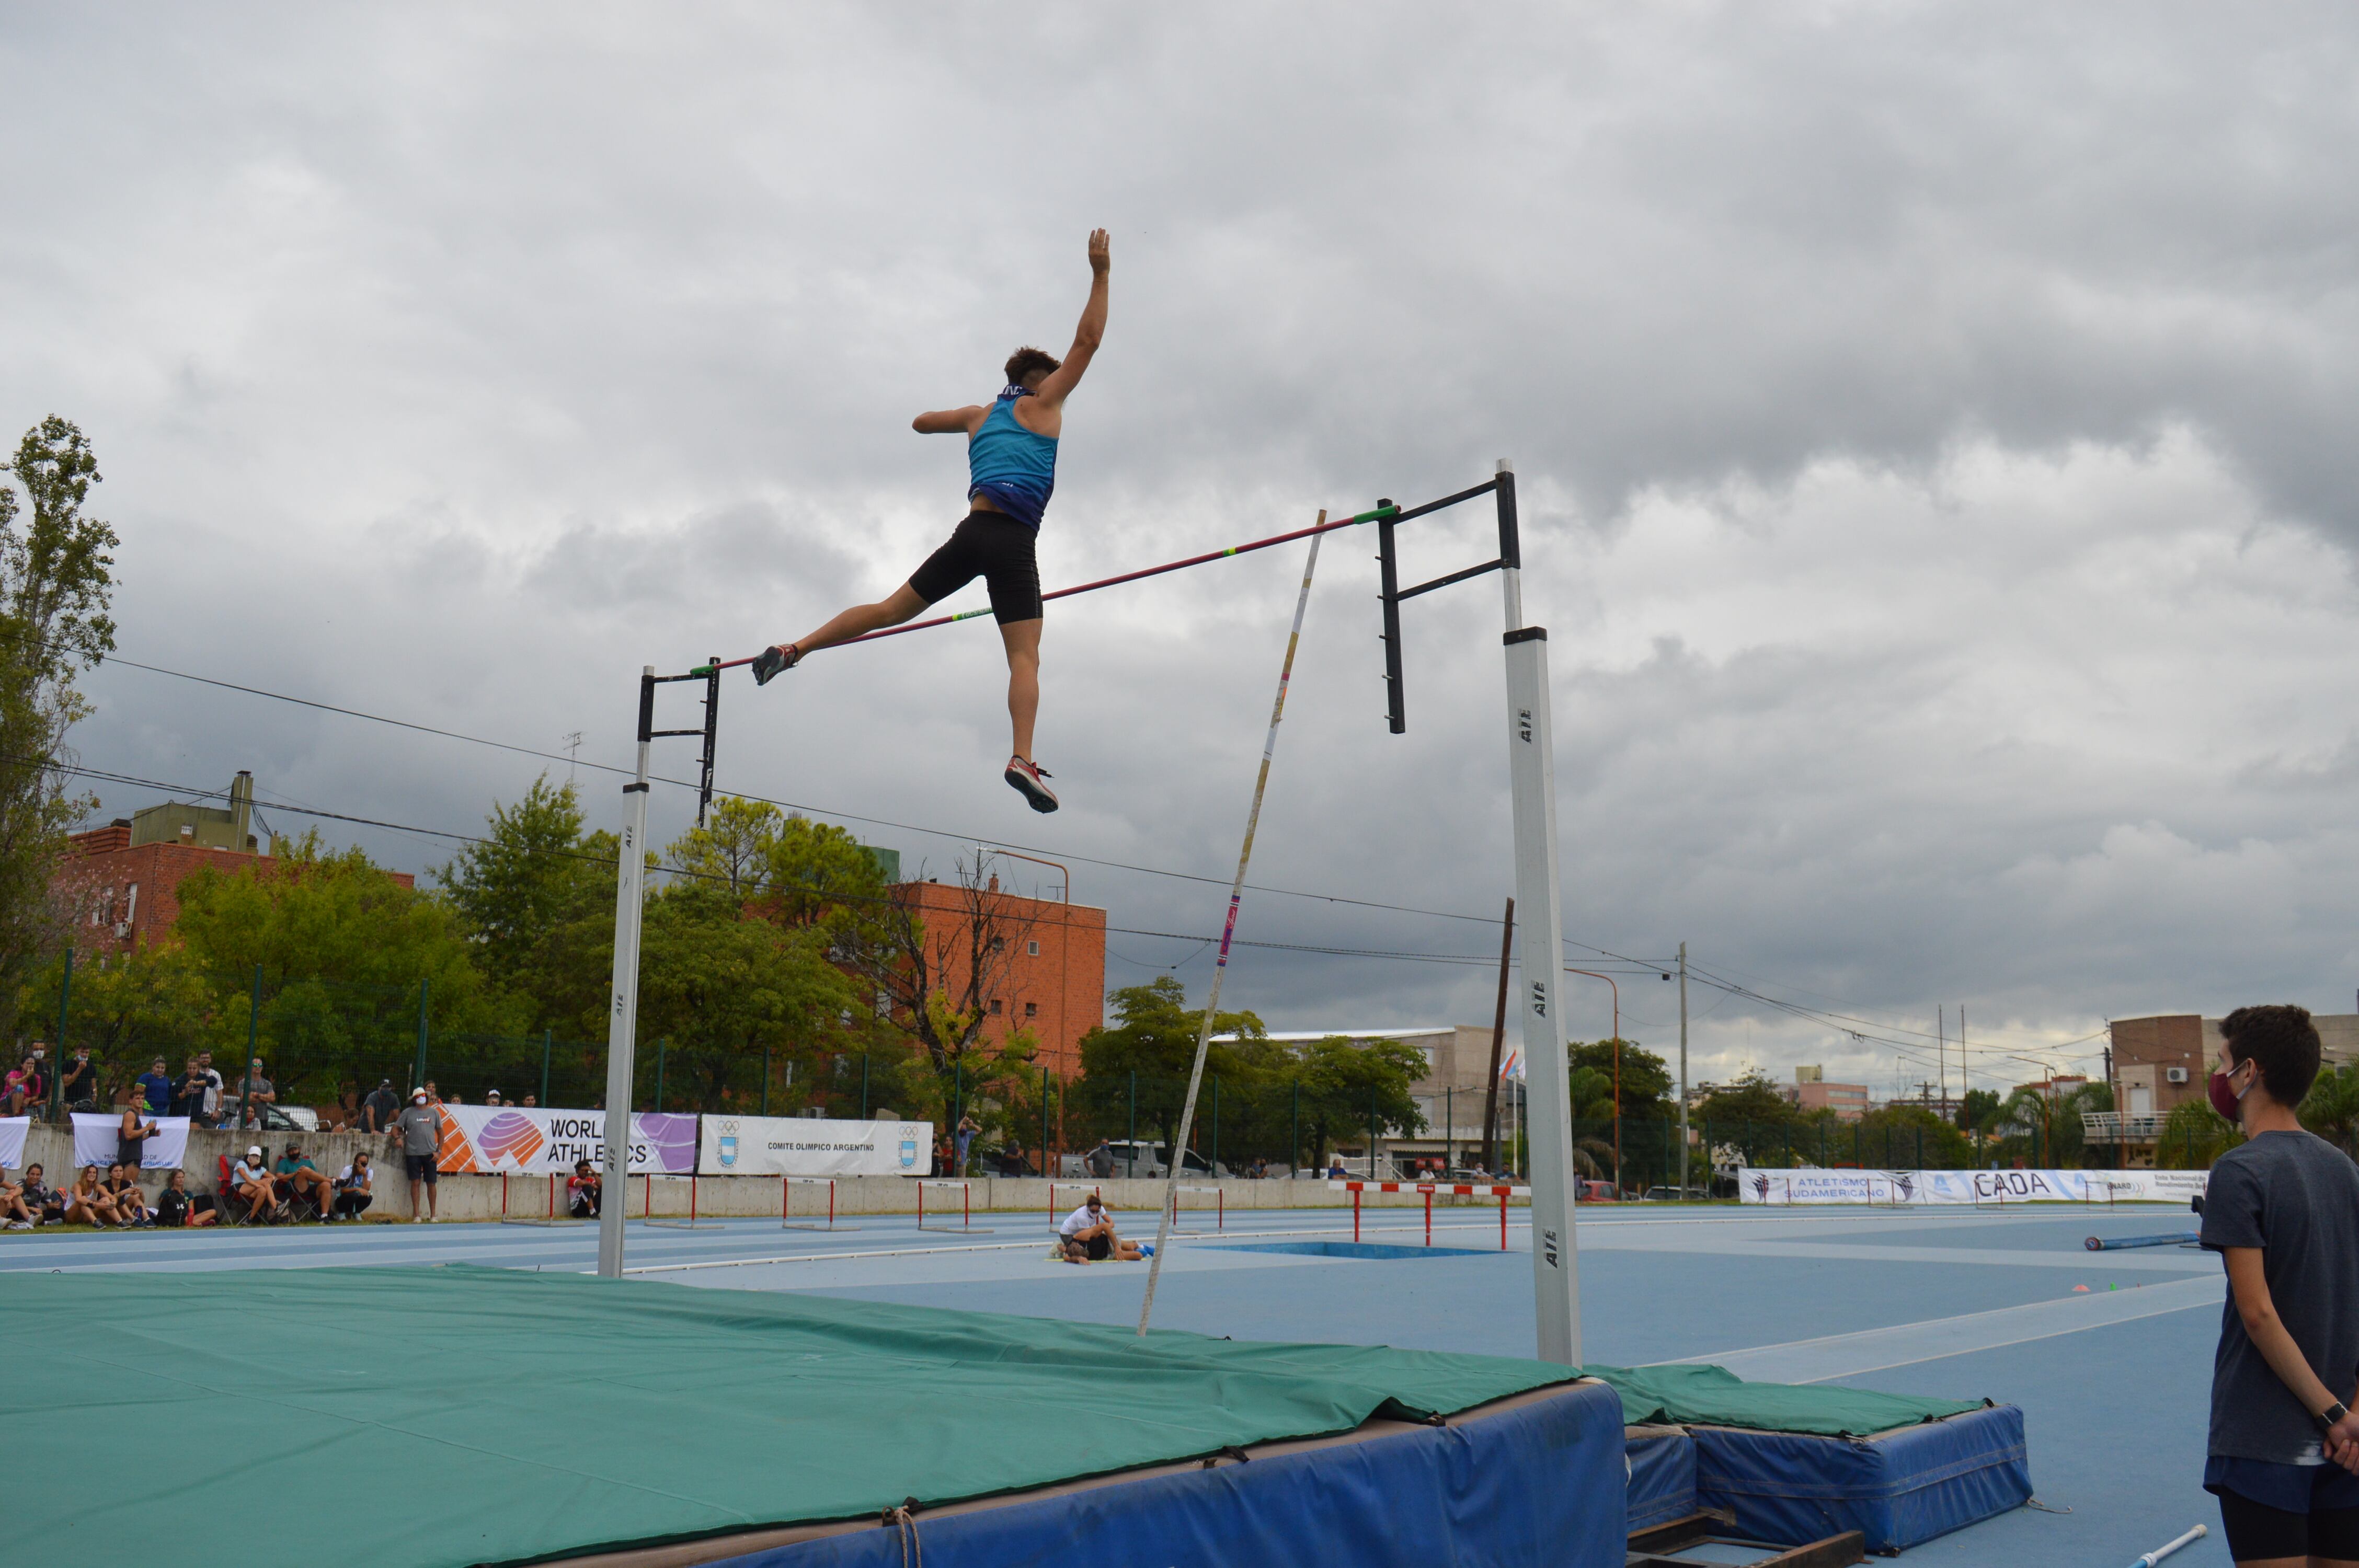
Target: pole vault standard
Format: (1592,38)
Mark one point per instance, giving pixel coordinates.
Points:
(630,899)
(1531,770)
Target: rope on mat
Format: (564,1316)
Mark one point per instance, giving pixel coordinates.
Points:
(905,1520)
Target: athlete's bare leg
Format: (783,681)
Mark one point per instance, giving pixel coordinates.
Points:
(1023,640)
(901,604)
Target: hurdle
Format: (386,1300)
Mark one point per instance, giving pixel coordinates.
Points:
(1220,1209)
(1453,1189)
(648,1215)
(966,1224)
(551,1218)
(787,1220)
(1054,1218)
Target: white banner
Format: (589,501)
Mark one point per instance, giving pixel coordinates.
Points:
(806,1146)
(12,1141)
(1987,1189)
(485,1139)
(98,1139)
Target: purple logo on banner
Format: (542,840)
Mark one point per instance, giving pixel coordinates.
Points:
(671,1139)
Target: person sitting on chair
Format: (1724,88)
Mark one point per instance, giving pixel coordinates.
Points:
(1090,1238)
(251,1179)
(584,1191)
(299,1178)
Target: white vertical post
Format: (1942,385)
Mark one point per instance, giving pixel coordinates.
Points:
(622,1018)
(1548,1130)
(1683,1075)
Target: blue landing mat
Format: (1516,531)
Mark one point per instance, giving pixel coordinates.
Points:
(1897,1488)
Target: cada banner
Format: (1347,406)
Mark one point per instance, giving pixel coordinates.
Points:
(485,1139)
(807,1146)
(1983,1189)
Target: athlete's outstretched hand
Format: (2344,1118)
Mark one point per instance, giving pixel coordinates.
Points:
(1100,255)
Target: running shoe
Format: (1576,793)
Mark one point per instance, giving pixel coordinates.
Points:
(1026,778)
(776,661)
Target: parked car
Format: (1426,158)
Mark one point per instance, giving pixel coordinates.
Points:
(1144,1159)
(1673,1194)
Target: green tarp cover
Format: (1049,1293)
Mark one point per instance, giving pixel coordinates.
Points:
(1713,1396)
(463,1415)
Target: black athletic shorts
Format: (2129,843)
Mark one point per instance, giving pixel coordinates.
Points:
(421,1168)
(998,549)
(1100,1247)
(2258,1533)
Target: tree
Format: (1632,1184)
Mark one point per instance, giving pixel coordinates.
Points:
(129,1008)
(2193,1135)
(342,949)
(934,978)
(1978,1111)
(1908,1135)
(2331,1109)
(1154,1036)
(2045,1130)
(55,580)
(1355,1090)
(1646,1080)
(536,896)
(734,848)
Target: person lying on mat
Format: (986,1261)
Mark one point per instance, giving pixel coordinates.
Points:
(1089,1236)
(2282,1210)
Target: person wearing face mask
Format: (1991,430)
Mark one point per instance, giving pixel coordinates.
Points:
(2282,1210)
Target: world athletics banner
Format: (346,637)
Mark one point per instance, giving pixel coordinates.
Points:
(807,1146)
(1986,1189)
(484,1138)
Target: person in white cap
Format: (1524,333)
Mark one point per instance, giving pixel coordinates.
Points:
(252,1178)
(420,1128)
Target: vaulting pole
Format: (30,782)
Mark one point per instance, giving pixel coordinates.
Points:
(1228,931)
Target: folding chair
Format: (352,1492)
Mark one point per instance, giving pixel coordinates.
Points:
(233,1208)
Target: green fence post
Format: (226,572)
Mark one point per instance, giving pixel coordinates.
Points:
(417,1074)
(1790,1145)
(1044,1122)
(1294,1127)
(547,1039)
(662,1047)
(253,1042)
(58,1067)
(1921,1146)
(863,1086)
(1130,1161)
(1214,1163)
(766,1080)
(1372,1138)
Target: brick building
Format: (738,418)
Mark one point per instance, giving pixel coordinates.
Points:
(1811,1092)
(122,882)
(1046,972)
(2162,1063)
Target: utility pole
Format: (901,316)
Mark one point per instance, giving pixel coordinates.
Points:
(1941,1049)
(1683,1072)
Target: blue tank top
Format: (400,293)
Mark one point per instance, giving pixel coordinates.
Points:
(1013,466)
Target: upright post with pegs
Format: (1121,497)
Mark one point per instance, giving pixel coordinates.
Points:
(622,1013)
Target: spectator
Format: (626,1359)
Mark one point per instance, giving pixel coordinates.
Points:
(1100,1160)
(354,1188)
(25,1089)
(2282,1210)
(967,1128)
(380,1108)
(584,1191)
(15,1214)
(177,1208)
(300,1179)
(44,1202)
(132,1137)
(130,1201)
(420,1128)
(456,1098)
(188,1093)
(88,1203)
(156,1087)
(1335,1171)
(1089,1236)
(251,1179)
(213,1088)
(77,1081)
(493,1098)
(253,1091)
(433,1094)
(529,1102)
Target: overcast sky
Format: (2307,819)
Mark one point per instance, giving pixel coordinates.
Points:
(1933,425)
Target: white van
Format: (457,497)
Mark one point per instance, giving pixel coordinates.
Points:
(1142,1159)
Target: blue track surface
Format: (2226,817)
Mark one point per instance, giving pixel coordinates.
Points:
(2114,1381)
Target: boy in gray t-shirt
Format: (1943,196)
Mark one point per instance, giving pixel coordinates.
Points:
(2282,1210)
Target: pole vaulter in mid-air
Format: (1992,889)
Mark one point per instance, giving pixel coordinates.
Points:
(1011,453)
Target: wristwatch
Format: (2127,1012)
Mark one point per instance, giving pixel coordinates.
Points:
(2330,1414)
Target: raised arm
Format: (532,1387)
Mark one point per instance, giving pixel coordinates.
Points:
(950,421)
(1089,334)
